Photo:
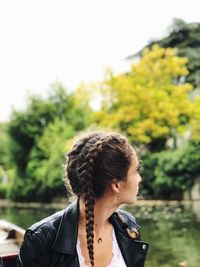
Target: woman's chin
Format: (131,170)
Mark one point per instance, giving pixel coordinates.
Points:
(132,201)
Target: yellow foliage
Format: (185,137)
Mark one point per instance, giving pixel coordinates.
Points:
(82,94)
(149,101)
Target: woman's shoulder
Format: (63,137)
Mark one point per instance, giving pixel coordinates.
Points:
(127,217)
(44,234)
(51,222)
(48,222)
(129,223)
(44,231)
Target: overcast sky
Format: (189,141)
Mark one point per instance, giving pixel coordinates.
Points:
(70,41)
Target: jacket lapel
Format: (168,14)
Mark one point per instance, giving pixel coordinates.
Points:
(66,238)
(134,251)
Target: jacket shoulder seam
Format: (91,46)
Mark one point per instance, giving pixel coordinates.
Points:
(128,218)
(46,221)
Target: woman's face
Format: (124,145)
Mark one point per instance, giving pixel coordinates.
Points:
(130,187)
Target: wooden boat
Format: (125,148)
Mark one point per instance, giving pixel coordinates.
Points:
(9,260)
(11,237)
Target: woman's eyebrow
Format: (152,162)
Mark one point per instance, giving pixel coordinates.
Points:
(139,163)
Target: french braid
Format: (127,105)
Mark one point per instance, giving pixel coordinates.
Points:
(94,161)
(85,171)
(71,163)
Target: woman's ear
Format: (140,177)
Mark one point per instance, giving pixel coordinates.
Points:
(116,185)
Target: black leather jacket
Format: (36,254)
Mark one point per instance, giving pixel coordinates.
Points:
(52,241)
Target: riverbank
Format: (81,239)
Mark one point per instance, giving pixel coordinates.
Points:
(4,203)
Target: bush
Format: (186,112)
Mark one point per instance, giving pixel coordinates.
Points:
(169,173)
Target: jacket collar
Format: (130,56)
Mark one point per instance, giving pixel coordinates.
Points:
(66,238)
(133,250)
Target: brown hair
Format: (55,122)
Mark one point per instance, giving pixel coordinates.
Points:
(94,161)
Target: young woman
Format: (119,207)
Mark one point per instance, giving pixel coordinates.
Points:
(102,170)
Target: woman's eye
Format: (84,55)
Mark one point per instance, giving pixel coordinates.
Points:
(139,166)
(138,169)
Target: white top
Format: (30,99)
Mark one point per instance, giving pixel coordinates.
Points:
(117,258)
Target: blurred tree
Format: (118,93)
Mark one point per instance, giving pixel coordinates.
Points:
(150,103)
(7,168)
(44,171)
(38,137)
(4,145)
(185,37)
(25,127)
(168,174)
(195,120)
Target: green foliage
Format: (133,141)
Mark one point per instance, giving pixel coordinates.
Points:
(7,177)
(27,126)
(169,173)
(4,147)
(39,135)
(46,158)
(7,170)
(147,173)
(195,120)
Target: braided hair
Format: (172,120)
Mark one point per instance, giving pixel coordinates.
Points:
(94,161)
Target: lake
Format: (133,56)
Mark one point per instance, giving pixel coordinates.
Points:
(172,230)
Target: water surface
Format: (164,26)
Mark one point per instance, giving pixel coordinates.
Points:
(172,231)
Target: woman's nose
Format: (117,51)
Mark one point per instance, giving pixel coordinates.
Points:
(139,178)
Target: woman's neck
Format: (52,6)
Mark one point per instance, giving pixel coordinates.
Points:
(103,209)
